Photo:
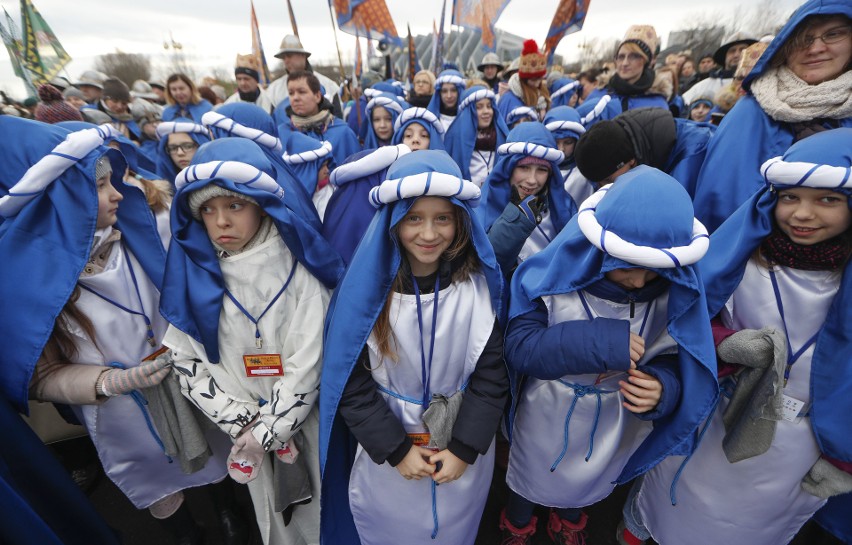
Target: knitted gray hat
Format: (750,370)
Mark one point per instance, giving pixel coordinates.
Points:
(102,167)
(211,191)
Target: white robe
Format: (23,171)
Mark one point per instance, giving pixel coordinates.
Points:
(538,438)
(387,509)
(292,327)
(758,501)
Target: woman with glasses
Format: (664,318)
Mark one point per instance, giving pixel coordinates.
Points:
(800,86)
(634,84)
(178,141)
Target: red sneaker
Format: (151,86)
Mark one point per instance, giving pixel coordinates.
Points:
(516,536)
(563,532)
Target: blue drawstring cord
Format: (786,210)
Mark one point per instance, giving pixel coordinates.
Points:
(141,402)
(580,391)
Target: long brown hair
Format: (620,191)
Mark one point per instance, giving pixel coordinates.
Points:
(61,338)
(460,254)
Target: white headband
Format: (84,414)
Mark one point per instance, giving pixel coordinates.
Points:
(384,102)
(215,119)
(643,256)
(573,126)
(449,78)
(476,96)
(777,171)
(564,89)
(521,112)
(418,113)
(535,150)
(35,180)
(426,184)
(369,164)
(168,127)
(240,173)
(307,156)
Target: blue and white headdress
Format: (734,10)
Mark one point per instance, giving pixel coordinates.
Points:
(562,91)
(196,131)
(194,287)
(48,214)
(823,161)
(645,220)
(521,113)
(349,210)
(527,139)
(453,77)
(361,296)
(304,157)
(424,118)
(564,122)
(460,139)
(393,104)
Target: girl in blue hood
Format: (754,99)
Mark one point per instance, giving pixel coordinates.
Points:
(381,113)
(413,332)
(445,100)
(779,443)
(419,129)
(472,140)
(524,200)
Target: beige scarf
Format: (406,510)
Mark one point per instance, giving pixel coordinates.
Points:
(785,97)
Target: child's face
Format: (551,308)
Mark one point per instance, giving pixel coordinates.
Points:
(181,148)
(230,221)
(809,215)
(108,199)
(416,137)
(529,179)
(449,94)
(631,279)
(484,113)
(382,123)
(699,112)
(426,232)
(566,146)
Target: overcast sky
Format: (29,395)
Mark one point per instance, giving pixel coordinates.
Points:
(212,32)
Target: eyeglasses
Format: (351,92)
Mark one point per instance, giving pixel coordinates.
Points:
(632,57)
(830,36)
(186,147)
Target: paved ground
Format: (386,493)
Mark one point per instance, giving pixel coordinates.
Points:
(138,528)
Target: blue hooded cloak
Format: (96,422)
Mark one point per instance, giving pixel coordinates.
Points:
(349,211)
(731,171)
(49,211)
(461,136)
(647,208)
(191,298)
(562,91)
(248,121)
(354,308)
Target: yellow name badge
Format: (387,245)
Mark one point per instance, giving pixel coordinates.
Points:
(263,365)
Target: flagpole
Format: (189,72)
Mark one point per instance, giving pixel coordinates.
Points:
(336,43)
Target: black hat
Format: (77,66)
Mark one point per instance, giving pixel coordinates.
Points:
(116,89)
(603,149)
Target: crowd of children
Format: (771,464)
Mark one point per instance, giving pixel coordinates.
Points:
(352,316)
